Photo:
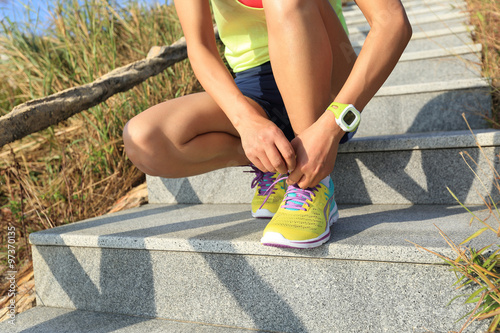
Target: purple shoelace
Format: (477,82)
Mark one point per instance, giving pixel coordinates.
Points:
(265,179)
(295,197)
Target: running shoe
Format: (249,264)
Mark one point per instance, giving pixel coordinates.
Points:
(268,193)
(304,217)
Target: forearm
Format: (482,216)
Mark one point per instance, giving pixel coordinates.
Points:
(219,84)
(381,51)
(196,21)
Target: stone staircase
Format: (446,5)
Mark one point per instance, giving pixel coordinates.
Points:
(191,261)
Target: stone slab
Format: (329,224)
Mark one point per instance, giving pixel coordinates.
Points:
(43,319)
(350,9)
(279,294)
(448,68)
(378,233)
(430,23)
(415,14)
(201,264)
(427,107)
(415,176)
(418,169)
(457,52)
(430,43)
(423,141)
(412,168)
(357,40)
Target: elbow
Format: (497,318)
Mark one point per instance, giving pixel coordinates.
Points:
(401,26)
(406,30)
(396,29)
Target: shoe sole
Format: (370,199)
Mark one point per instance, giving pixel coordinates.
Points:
(277,240)
(262,214)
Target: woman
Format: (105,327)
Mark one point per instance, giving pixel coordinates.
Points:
(292,58)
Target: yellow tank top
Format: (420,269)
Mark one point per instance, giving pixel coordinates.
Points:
(243,31)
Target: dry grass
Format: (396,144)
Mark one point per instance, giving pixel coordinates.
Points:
(485,16)
(78,169)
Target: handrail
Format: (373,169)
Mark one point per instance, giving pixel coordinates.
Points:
(38,114)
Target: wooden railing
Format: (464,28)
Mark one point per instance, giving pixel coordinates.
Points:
(38,114)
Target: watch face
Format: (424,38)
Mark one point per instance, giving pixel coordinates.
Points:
(349,117)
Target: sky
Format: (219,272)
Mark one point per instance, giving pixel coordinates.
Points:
(16,11)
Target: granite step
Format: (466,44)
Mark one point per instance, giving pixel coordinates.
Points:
(204,264)
(43,319)
(458,63)
(458,36)
(350,9)
(430,23)
(427,107)
(414,14)
(403,169)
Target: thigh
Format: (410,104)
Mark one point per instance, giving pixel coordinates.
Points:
(184,118)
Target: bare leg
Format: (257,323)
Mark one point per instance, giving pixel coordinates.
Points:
(183,137)
(310,54)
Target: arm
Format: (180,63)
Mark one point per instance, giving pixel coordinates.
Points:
(264,144)
(390,33)
(317,146)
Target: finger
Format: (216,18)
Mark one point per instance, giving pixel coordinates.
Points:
(294,177)
(305,182)
(276,160)
(258,164)
(287,153)
(268,166)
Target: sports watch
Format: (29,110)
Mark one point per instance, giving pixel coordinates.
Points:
(346,115)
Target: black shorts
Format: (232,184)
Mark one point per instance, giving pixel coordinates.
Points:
(258,84)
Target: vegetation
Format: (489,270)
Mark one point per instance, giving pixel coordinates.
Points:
(485,16)
(478,269)
(77,169)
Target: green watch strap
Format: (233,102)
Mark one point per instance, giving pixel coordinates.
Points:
(346,116)
(337,108)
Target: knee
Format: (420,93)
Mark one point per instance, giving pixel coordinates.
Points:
(149,150)
(138,141)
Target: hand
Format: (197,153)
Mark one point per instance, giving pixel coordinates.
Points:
(266,146)
(316,150)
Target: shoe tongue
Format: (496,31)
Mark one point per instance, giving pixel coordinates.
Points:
(326,181)
(294,200)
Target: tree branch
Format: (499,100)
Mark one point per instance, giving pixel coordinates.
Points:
(38,114)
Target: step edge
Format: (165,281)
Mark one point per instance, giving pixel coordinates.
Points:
(423,141)
(41,310)
(454,51)
(430,87)
(360,29)
(427,34)
(353,9)
(340,248)
(343,252)
(434,10)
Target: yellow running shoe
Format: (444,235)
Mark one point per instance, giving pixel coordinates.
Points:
(304,217)
(268,193)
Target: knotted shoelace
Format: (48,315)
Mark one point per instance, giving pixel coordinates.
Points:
(265,180)
(295,197)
